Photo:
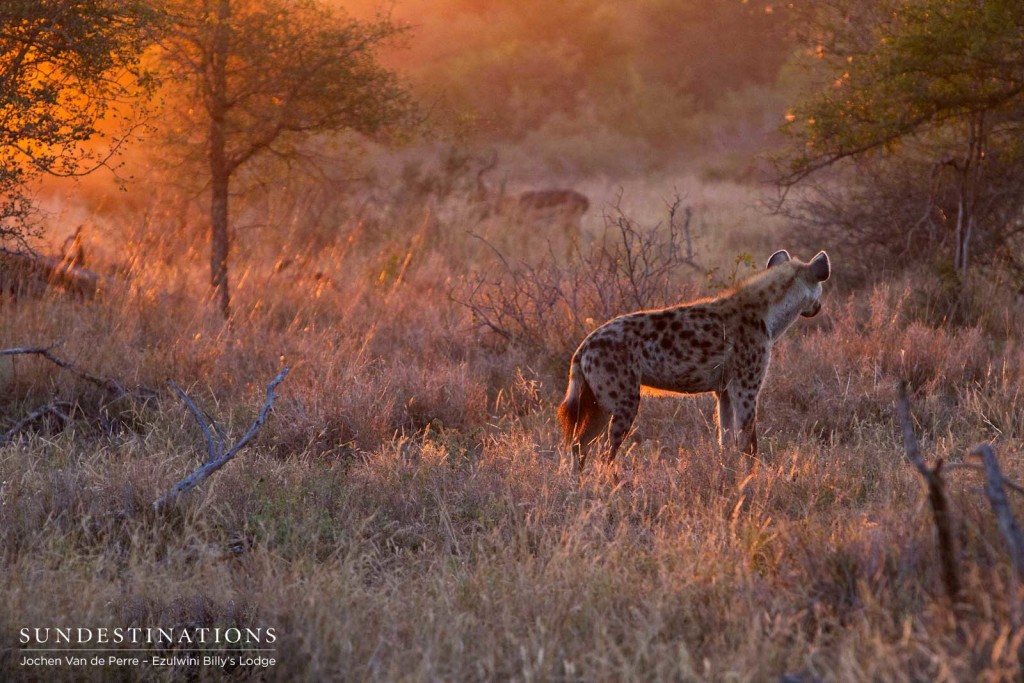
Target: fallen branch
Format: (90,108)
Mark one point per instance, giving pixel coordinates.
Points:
(26,273)
(1009,483)
(216,456)
(103,382)
(1001,507)
(57,408)
(213,450)
(936,496)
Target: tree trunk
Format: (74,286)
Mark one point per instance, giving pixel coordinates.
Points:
(970,183)
(220,171)
(220,242)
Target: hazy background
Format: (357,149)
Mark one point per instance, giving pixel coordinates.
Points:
(585,86)
(629,103)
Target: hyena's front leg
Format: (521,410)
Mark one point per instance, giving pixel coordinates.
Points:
(744,402)
(726,419)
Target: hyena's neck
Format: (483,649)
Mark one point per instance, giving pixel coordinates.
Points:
(774,294)
(783,313)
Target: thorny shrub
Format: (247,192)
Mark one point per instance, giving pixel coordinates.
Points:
(548,307)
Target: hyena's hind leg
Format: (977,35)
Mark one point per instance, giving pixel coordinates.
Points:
(726,419)
(623,403)
(589,432)
(616,388)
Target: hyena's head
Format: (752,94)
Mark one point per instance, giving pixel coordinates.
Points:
(804,294)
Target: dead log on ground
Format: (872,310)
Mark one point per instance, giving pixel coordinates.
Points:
(28,274)
(216,456)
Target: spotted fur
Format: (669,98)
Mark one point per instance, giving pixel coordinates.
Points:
(721,345)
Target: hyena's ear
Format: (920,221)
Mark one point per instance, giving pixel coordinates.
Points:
(820,266)
(777,258)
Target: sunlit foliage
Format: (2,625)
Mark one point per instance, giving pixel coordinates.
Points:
(938,84)
(257,77)
(69,76)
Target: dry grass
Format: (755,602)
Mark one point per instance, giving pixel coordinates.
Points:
(405,513)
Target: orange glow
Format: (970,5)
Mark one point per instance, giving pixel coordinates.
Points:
(514,67)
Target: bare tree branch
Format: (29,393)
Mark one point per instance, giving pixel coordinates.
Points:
(1001,506)
(204,421)
(212,465)
(936,496)
(630,267)
(58,408)
(1010,484)
(103,382)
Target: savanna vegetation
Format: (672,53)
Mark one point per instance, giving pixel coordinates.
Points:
(407,512)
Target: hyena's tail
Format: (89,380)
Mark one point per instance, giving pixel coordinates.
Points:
(579,413)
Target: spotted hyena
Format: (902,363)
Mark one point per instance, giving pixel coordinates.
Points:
(722,345)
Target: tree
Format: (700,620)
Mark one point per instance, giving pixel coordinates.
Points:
(264,75)
(71,91)
(936,86)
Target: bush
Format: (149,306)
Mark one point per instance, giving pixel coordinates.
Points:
(549,307)
(885,214)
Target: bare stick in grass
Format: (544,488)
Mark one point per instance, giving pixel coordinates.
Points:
(61,409)
(103,382)
(213,449)
(217,457)
(1001,506)
(936,496)
(972,467)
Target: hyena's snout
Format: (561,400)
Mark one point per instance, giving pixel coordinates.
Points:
(811,310)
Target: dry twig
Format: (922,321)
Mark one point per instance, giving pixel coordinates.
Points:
(1001,507)
(59,408)
(1009,483)
(217,457)
(62,409)
(936,496)
(104,382)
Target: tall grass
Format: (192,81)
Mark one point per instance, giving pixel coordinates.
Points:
(406,513)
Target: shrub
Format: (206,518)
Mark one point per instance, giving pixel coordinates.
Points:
(549,307)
